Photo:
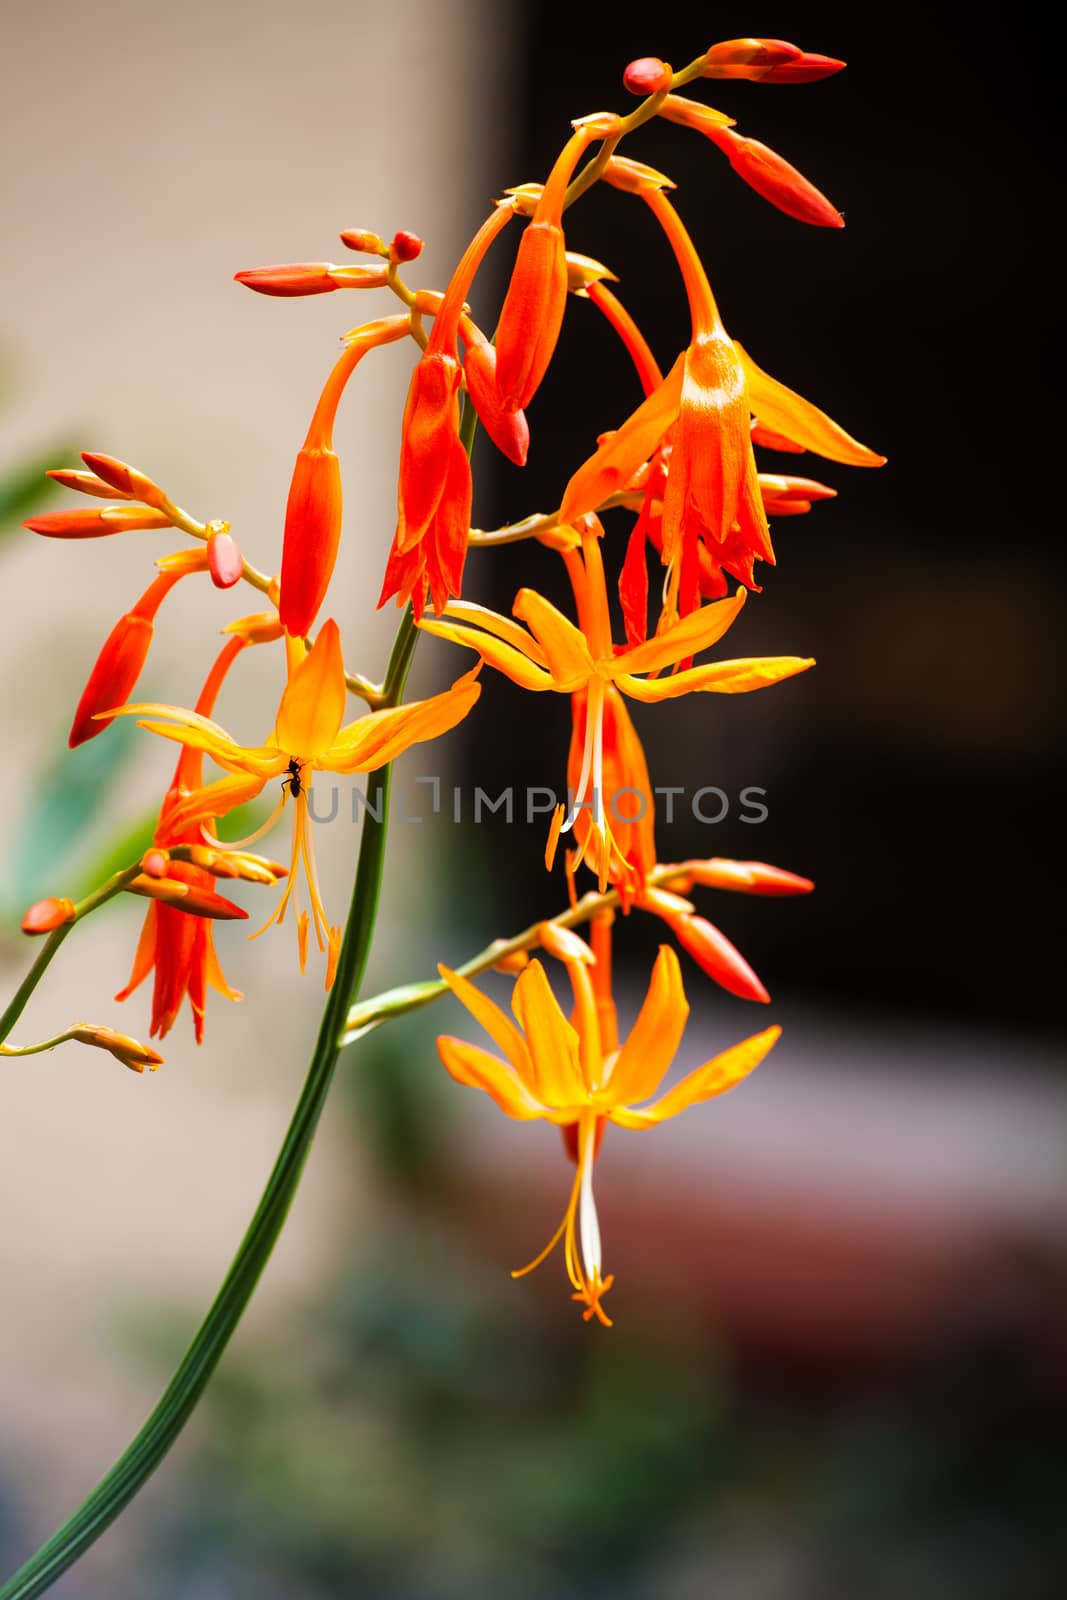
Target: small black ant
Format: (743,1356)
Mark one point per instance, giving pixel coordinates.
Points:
(292,782)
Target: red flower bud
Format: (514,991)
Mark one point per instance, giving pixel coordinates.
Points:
(223,559)
(805,68)
(405,246)
(721,960)
(508,430)
(96,524)
(747,877)
(125,480)
(47,915)
(364,241)
(312,535)
(748,58)
(647,75)
(86,483)
(772,177)
(293,278)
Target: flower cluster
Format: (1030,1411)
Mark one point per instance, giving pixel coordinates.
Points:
(673,487)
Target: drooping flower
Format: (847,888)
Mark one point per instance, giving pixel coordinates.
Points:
(177,946)
(551,653)
(308,737)
(574,1074)
(434,489)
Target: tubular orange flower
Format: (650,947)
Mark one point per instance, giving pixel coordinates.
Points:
(434,490)
(307,738)
(177,946)
(125,650)
(532,314)
(556,655)
(573,1073)
(313,510)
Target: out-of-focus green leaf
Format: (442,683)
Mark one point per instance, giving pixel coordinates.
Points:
(63,803)
(24,489)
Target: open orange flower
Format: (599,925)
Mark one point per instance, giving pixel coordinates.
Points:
(556,655)
(573,1073)
(179,947)
(307,738)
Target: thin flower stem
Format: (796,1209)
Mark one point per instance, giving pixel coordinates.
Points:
(371,1013)
(99,897)
(137,1462)
(539,522)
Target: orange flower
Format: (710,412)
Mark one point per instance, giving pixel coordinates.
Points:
(573,1073)
(532,314)
(307,738)
(313,510)
(556,655)
(177,946)
(626,853)
(434,491)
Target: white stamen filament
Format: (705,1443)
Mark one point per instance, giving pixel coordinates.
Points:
(592,759)
(588,1222)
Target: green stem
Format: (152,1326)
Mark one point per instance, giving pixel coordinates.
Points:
(119,1485)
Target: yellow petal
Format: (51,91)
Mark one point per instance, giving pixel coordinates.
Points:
(565,646)
(372,741)
(721,677)
(480,1070)
(313,705)
(233,757)
(514,664)
(501,627)
(692,634)
(784,411)
(213,800)
(714,1077)
(611,467)
(497,1024)
(552,1041)
(655,1036)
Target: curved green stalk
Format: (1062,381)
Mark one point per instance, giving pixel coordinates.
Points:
(119,1485)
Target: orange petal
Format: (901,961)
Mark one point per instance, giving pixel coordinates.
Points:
(372,741)
(552,1041)
(721,677)
(655,1036)
(497,1024)
(514,664)
(713,1078)
(612,466)
(686,638)
(786,412)
(477,1069)
(313,705)
(564,645)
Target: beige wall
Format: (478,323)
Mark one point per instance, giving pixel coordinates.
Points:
(149,152)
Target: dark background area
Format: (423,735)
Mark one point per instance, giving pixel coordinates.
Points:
(915,773)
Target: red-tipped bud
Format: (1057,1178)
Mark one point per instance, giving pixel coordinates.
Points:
(747,877)
(154,863)
(805,68)
(312,535)
(764,170)
(565,944)
(364,242)
(721,960)
(189,897)
(790,497)
(748,58)
(96,524)
(125,479)
(223,863)
(647,75)
(405,246)
(509,430)
(224,560)
(634,177)
(773,441)
(262,628)
(47,915)
(131,1052)
(87,483)
(292,278)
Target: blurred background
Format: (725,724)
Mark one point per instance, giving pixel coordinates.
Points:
(841,1301)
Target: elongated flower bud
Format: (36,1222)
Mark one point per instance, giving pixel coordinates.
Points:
(96,524)
(47,915)
(86,483)
(363,240)
(808,67)
(748,58)
(721,960)
(131,1052)
(509,430)
(291,279)
(312,535)
(263,628)
(764,170)
(790,497)
(126,479)
(747,877)
(191,897)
